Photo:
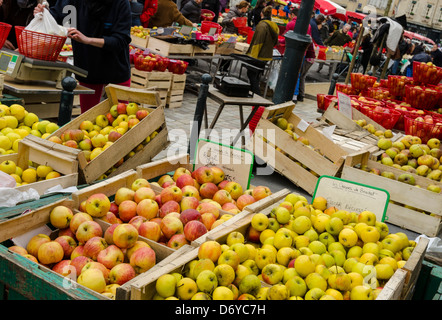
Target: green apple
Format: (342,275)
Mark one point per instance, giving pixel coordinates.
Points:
(314,294)
(250,284)
(361,293)
(207,281)
(186,288)
(326,238)
(315,280)
(297,286)
(272,273)
(304,265)
(260,221)
(334,226)
(317,247)
(166,285)
(225,274)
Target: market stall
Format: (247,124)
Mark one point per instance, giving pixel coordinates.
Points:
(364,197)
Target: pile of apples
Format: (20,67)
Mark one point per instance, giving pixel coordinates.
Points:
(16,123)
(189,205)
(33,173)
(412,156)
(139,31)
(101,260)
(95,136)
(300,251)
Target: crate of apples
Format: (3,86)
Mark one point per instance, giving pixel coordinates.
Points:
(426,73)
(361,82)
(421,97)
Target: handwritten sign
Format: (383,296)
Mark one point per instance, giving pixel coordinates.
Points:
(344,104)
(236,163)
(352,196)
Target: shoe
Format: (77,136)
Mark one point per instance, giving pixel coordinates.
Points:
(300,99)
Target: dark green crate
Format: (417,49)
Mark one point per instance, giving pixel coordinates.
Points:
(429,283)
(8,100)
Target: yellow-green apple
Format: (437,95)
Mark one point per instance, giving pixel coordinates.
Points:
(50,252)
(278,292)
(392,244)
(79,262)
(319,203)
(150,230)
(203,174)
(168,207)
(234,237)
(282,238)
(241,250)
(315,280)
(320,222)
(147,208)
(234,188)
(99,140)
(406,253)
(384,271)
(140,183)
(302,211)
(122,273)
(326,238)
(260,192)
(208,190)
(189,203)
(218,174)
(166,285)
(125,235)
(244,200)
(260,221)
(314,294)
(97,205)
(143,259)
(127,210)
(194,229)
(301,224)
(177,241)
(171,225)
(272,273)
(297,286)
(425,159)
(92,279)
(60,216)
(317,247)
(222,293)
(382,228)
(86,125)
(250,284)
(361,292)
(348,237)
(186,288)
(101,120)
(171,193)
(87,230)
(285,255)
(184,180)
(334,226)
(123,194)
(110,256)
(370,234)
(68,244)
(229,257)
(288,205)
(131,108)
(282,215)
(339,281)
(265,256)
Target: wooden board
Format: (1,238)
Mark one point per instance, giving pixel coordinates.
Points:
(92,170)
(61,158)
(139,42)
(165,48)
(401,194)
(198,52)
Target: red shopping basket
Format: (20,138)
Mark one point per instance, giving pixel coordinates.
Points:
(4,32)
(207,15)
(206,25)
(39,45)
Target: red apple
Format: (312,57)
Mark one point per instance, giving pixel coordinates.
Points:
(112,218)
(121,108)
(144,193)
(68,244)
(208,219)
(125,235)
(203,174)
(189,203)
(260,192)
(109,233)
(222,184)
(141,114)
(190,191)
(114,208)
(189,215)
(194,229)
(231,207)
(180,171)
(78,219)
(143,259)
(66,232)
(204,207)
(168,207)
(171,225)
(88,230)
(208,190)
(137,221)
(253,234)
(78,252)
(63,268)
(121,273)
(111,256)
(218,174)
(127,210)
(171,193)
(244,200)
(150,230)
(79,262)
(93,247)
(222,197)
(177,241)
(184,180)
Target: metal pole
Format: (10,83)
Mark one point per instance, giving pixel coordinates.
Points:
(200,110)
(356,49)
(66,100)
(297,42)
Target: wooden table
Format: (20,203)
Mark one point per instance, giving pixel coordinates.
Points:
(41,97)
(224,100)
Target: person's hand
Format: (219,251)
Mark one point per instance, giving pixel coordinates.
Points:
(195,25)
(39,8)
(76,35)
(8,44)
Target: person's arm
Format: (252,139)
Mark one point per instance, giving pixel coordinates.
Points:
(76,35)
(150,8)
(179,18)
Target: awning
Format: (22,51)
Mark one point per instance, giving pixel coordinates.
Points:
(329,8)
(356,16)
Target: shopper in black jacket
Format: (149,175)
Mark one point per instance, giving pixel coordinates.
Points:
(100,43)
(192,10)
(255,13)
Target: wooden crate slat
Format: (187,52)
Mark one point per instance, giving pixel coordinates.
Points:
(166,48)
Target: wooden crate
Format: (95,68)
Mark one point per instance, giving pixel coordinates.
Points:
(402,284)
(175,95)
(299,163)
(61,158)
(225,48)
(241,47)
(2,81)
(155,121)
(158,81)
(199,52)
(165,48)
(139,42)
(416,199)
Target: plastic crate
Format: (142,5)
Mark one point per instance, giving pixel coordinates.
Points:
(425,74)
(207,24)
(4,32)
(362,82)
(396,85)
(207,15)
(346,88)
(420,97)
(386,117)
(404,110)
(416,126)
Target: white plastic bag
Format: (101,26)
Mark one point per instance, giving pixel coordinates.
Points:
(7,181)
(273,76)
(44,22)
(9,197)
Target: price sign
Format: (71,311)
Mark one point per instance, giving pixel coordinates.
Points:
(236,163)
(352,196)
(344,104)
